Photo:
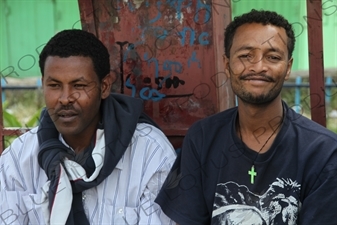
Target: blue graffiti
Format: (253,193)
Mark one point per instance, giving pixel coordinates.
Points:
(146,93)
(152,94)
(156,65)
(193,58)
(203,38)
(130,6)
(158,15)
(177,5)
(161,34)
(170,66)
(183,35)
(167,65)
(130,86)
(207,8)
(130,52)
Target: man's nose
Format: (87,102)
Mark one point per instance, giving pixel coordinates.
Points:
(68,96)
(257,64)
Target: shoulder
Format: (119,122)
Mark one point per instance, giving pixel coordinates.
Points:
(21,163)
(213,124)
(310,140)
(152,143)
(24,145)
(152,134)
(309,129)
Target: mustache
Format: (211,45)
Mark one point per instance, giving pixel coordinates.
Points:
(254,75)
(64,107)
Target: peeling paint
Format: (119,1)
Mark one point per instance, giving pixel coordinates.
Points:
(180,17)
(137,3)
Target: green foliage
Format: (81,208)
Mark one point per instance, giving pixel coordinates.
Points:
(10,120)
(332,124)
(34,120)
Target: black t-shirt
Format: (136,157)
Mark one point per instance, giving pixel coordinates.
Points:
(296,181)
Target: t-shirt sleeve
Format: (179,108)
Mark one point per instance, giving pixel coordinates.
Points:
(181,197)
(320,204)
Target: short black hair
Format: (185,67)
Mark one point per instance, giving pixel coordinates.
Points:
(263,17)
(76,42)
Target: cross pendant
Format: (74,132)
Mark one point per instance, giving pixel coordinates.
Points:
(252,174)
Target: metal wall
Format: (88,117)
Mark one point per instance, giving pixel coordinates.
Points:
(168,53)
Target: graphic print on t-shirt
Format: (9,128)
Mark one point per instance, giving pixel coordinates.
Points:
(235,204)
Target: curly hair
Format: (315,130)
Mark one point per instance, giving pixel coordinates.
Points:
(77,43)
(263,17)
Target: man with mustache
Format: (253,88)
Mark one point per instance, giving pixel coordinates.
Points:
(260,162)
(95,157)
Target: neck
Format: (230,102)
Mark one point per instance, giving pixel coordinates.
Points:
(80,142)
(258,125)
(77,146)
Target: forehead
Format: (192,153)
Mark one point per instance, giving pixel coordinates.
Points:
(68,67)
(255,35)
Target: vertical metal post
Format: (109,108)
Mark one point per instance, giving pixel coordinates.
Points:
(87,14)
(328,90)
(222,16)
(298,94)
(316,67)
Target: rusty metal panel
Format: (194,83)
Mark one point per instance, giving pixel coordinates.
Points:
(169,53)
(316,66)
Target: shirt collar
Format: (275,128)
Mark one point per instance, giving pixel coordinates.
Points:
(118,166)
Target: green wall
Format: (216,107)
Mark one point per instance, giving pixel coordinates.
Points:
(25,26)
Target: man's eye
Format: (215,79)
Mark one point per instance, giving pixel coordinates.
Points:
(53,85)
(246,57)
(273,58)
(80,85)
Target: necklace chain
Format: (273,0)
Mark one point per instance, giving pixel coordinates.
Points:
(252,172)
(266,140)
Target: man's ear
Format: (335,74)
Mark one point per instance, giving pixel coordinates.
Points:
(42,83)
(226,65)
(106,86)
(290,63)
